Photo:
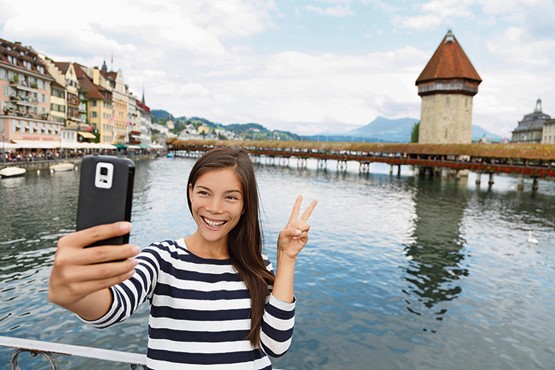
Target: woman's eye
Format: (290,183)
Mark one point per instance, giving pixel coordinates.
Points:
(202,192)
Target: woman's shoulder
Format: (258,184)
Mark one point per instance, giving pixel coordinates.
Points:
(167,244)
(167,247)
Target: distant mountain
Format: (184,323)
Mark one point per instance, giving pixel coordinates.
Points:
(158,114)
(380,129)
(393,130)
(479,133)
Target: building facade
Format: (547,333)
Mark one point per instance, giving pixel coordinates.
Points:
(531,128)
(549,132)
(447,86)
(25,98)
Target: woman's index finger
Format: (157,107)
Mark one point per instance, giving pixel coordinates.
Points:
(308,210)
(296,208)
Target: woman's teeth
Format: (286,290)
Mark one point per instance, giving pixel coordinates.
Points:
(214,223)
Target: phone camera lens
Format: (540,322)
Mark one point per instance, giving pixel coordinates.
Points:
(104,171)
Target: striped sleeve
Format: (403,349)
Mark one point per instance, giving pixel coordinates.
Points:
(278,322)
(130,294)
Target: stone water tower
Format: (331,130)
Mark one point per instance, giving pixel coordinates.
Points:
(447,85)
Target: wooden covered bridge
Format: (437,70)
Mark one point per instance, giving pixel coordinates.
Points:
(523,160)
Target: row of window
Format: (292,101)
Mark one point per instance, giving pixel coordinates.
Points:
(35,127)
(13,60)
(22,80)
(57,108)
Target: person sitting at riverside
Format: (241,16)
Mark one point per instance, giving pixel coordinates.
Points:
(215,301)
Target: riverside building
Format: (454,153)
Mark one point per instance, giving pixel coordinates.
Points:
(535,127)
(25,99)
(46,104)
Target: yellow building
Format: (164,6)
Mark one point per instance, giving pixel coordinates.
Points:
(99,103)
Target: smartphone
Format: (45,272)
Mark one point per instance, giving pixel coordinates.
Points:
(105,193)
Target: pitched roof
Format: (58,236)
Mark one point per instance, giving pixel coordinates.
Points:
(86,83)
(62,66)
(448,62)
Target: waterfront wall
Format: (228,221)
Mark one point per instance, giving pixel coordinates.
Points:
(45,164)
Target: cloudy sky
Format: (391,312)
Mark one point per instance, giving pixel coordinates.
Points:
(304,66)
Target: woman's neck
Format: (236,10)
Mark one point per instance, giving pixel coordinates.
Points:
(206,249)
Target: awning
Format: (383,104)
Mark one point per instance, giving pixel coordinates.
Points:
(8,146)
(102,146)
(36,144)
(73,145)
(95,146)
(86,135)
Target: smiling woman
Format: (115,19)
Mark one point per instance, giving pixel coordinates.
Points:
(215,300)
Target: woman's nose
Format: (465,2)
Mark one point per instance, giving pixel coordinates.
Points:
(214,205)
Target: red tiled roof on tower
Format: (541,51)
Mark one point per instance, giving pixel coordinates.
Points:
(448,62)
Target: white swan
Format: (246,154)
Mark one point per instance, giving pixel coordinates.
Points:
(531,239)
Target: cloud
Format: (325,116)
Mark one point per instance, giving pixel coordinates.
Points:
(521,48)
(434,13)
(201,58)
(339,11)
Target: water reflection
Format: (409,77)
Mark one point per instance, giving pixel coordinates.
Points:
(435,247)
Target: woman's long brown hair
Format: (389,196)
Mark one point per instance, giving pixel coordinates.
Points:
(245,240)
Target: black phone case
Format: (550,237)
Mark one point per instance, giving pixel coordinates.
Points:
(97,206)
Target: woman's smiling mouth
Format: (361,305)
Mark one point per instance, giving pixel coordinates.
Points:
(213,223)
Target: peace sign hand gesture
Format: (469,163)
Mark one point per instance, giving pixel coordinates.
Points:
(294,236)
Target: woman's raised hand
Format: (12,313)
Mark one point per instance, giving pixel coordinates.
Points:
(294,236)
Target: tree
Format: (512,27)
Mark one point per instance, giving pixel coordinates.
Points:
(414,132)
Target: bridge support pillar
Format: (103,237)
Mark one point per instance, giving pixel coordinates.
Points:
(342,165)
(322,164)
(535,185)
(520,185)
(364,167)
(398,170)
(490,181)
(284,161)
(301,162)
(390,169)
(478,178)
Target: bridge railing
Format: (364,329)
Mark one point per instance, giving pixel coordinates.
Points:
(51,350)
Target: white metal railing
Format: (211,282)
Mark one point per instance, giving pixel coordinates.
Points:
(50,350)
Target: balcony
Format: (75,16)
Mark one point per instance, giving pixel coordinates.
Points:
(24,85)
(26,101)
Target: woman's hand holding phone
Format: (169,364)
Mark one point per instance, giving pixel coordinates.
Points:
(81,276)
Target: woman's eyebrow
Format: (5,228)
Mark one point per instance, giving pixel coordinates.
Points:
(225,191)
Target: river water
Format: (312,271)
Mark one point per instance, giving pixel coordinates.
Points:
(401,272)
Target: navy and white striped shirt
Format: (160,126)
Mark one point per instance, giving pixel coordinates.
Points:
(199,314)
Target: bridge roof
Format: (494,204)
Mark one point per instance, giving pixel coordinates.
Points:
(449,61)
(513,150)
